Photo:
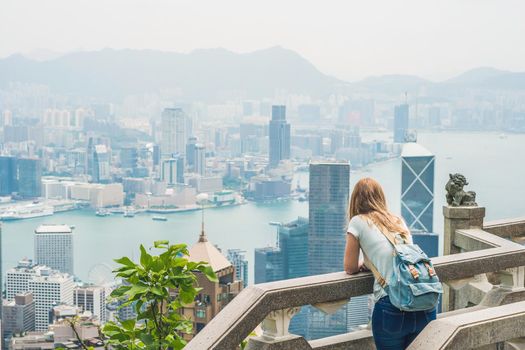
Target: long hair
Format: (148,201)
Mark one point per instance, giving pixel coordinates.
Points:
(368,200)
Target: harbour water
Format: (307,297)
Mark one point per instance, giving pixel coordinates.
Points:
(494,166)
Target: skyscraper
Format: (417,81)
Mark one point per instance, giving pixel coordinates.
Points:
(29,177)
(328,205)
(101,169)
(54,247)
(269,265)
(400,122)
(8,177)
(190,153)
(50,288)
(174,131)
(417,187)
(238,259)
(279,136)
(172,170)
(200,159)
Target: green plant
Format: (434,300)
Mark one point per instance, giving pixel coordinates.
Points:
(156,287)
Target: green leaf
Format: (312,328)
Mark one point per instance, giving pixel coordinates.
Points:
(125,261)
(210,274)
(145,258)
(161,244)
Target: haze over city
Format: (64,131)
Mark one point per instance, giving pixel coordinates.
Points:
(161,160)
(350,40)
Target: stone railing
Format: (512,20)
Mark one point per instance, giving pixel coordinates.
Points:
(484,269)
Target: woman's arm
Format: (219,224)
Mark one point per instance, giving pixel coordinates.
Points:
(351,260)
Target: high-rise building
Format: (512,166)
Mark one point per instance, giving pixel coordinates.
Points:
(328,205)
(29,177)
(18,315)
(190,153)
(269,265)
(172,170)
(93,299)
(417,187)
(8,176)
(49,289)
(279,131)
(238,259)
(54,247)
(200,159)
(400,122)
(129,157)
(174,131)
(17,278)
(101,161)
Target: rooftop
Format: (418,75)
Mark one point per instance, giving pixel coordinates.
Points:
(413,149)
(52,228)
(203,250)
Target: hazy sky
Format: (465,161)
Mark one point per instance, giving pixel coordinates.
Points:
(349,39)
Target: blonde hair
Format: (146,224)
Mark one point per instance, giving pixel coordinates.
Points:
(368,200)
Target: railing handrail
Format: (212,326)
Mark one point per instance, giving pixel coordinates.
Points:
(242,315)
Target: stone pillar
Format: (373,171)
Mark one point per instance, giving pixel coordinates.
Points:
(457,218)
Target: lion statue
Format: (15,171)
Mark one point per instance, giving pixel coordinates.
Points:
(456,197)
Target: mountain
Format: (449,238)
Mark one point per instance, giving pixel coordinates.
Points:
(392,84)
(201,74)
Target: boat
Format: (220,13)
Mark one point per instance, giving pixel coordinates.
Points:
(29,211)
(160,218)
(102,212)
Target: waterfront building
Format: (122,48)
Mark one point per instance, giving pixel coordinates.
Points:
(417,187)
(18,315)
(50,288)
(172,170)
(328,205)
(98,195)
(400,122)
(54,247)
(214,296)
(206,184)
(8,176)
(279,130)
(93,299)
(263,188)
(101,167)
(29,172)
(174,131)
(238,259)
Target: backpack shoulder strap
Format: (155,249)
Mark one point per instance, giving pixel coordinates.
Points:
(375,272)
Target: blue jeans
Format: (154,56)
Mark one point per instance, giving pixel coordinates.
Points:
(394,329)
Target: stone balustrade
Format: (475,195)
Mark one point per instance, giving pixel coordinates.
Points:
(484,268)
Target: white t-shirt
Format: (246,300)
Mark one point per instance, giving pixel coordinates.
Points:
(376,247)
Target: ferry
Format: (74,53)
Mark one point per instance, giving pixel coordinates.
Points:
(160,218)
(28,211)
(102,212)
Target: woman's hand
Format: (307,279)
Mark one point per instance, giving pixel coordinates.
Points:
(351,260)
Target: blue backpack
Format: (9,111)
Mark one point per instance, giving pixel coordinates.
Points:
(413,285)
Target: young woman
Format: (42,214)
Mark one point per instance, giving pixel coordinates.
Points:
(370,220)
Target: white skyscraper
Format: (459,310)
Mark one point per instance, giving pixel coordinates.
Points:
(174,131)
(93,299)
(50,288)
(17,278)
(54,247)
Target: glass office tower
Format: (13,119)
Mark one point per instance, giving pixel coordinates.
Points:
(417,187)
(400,123)
(279,136)
(328,203)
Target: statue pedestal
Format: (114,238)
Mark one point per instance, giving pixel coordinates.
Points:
(457,218)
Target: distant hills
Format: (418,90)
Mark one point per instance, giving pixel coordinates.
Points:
(218,74)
